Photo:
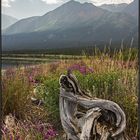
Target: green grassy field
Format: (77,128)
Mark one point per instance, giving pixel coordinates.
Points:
(106,75)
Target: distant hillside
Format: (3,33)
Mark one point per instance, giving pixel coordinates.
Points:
(23,25)
(7,21)
(71,25)
(132,8)
(69,15)
(114,7)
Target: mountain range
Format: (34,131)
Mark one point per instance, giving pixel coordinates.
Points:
(132,8)
(71,25)
(7,21)
(114,7)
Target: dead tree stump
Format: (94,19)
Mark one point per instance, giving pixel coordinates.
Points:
(85,118)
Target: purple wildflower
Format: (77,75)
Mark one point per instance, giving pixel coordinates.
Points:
(4,130)
(90,70)
(134,138)
(10,72)
(11,137)
(81,68)
(31,79)
(50,134)
(17,138)
(46,137)
(41,129)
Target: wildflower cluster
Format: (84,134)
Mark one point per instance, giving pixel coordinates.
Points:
(32,73)
(22,130)
(83,68)
(10,72)
(46,130)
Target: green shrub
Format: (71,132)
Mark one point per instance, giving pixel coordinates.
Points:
(50,93)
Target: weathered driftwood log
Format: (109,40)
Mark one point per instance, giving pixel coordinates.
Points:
(97,120)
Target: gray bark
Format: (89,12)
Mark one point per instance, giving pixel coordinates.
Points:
(89,126)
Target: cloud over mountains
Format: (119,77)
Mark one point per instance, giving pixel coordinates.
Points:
(100,2)
(28,8)
(52,1)
(7,3)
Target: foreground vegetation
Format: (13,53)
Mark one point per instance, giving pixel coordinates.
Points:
(104,75)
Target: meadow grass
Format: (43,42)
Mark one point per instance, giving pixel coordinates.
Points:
(106,75)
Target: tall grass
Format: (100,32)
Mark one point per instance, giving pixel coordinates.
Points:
(107,75)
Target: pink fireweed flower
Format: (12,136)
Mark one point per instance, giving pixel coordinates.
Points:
(50,134)
(4,130)
(41,128)
(84,69)
(17,138)
(10,72)
(90,70)
(11,137)
(31,79)
(134,138)
(46,137)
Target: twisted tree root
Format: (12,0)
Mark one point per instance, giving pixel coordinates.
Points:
(103,119)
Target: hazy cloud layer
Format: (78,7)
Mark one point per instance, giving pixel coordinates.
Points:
(6,3)
(27,8)
(100,2)
(52,1)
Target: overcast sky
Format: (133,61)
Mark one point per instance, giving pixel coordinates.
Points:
(27,8)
